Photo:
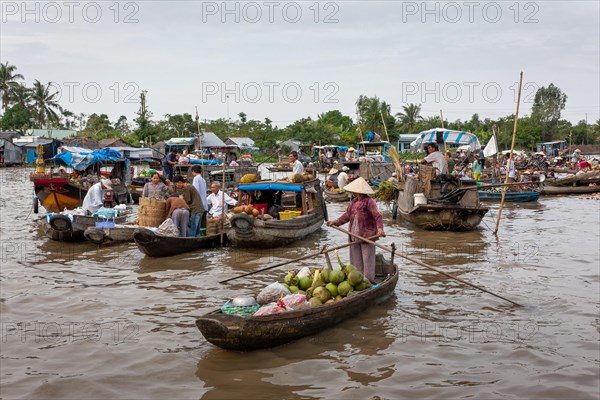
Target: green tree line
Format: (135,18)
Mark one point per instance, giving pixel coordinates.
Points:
(36,107)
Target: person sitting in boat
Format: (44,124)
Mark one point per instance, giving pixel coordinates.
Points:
(584,165)
(156,189)
(94,199)
(297,167)
(342,178)
(189,193)
(215,201)
(436,159)
(351,154)
(393,178)
(366,221)
(332,178)
(179,211)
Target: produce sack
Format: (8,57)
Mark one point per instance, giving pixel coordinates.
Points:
(269,309)
(296,301)
(272,293)
(168,228)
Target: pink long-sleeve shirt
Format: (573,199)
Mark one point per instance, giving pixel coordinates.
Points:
(368,217)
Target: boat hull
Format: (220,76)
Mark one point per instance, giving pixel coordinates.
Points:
(60,227)
(515,197)
(272,233)
(234,332)
(336,197)
(562,190)
(154,245)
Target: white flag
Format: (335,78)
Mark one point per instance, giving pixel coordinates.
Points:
(490,148)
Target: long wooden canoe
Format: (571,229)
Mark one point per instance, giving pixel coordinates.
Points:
(154,245)
(336,197)
(233,332)
(515,197)
(71,228)
(558,190)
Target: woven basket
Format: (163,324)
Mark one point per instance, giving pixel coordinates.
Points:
(152,212)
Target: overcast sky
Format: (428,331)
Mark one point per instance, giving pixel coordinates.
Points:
(286,60)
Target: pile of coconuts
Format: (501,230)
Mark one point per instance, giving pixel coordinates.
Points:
(324,286)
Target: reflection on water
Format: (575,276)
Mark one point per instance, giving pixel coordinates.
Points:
(62,305)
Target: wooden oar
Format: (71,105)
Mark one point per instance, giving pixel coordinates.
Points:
(312,255)
(421,263)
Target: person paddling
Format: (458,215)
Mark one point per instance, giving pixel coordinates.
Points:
(366,221)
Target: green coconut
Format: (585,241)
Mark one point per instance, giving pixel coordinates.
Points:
(315,302)
(290,279)
(304,282)
(336,276)
(322,294)
(350,268)
(344,288)
(355,278)
(332,289)
(293,289)
(324,275)
(338,297)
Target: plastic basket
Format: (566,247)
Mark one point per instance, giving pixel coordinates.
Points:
(285,215)
(244,311)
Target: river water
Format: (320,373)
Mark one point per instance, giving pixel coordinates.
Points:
(86,322)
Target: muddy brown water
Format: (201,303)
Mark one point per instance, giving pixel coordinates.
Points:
(80,321)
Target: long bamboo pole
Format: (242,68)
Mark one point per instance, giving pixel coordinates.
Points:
(421,263)
(510,157)
(384,126)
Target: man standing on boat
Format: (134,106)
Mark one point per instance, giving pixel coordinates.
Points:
(343,178)
(297,167)
(168,162)
(366,221)
(215,200)
(192,198)
(435,158)
(94,199)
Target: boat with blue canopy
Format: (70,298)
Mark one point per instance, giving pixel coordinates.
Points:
(447,136)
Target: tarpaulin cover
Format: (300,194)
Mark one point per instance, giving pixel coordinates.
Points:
(82,160)
(450,137)
(272,186)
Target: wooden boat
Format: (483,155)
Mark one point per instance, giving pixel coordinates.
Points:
(558,190)
(154,245)
(588,182)
(71,228)
(55,191)
(276,197)
(280,167)
(452,206)
(336,196)
(515,197)
(116,233)
(234,332)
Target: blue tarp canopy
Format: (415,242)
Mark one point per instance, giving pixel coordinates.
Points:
(458,138)
(272,186)
(205,162)
(83,159)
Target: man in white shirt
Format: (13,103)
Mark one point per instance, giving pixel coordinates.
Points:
(215,200)
(94,199)
(297,167)
(343,178)
(436,158)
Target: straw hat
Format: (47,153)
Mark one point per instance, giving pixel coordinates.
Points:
(332,171)
(359,185)
(577,151)
(351,149)
(106,183)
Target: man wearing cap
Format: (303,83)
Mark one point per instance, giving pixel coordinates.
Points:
(366,221)
(342,179)
(94,199)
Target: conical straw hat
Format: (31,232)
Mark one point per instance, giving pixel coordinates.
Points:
(359,185)
(332,171)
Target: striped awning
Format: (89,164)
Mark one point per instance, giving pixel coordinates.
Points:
(457,138)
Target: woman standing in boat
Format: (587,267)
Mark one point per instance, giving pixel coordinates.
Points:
(156,189)
(366,221)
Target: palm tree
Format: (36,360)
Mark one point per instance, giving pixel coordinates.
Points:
(44,104)
(410,117)
(369,111)
(8,80)
(21,95)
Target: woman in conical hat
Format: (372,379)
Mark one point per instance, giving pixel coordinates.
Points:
(366,221)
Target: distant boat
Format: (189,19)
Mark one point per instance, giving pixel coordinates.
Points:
(515,197)
(154,245)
